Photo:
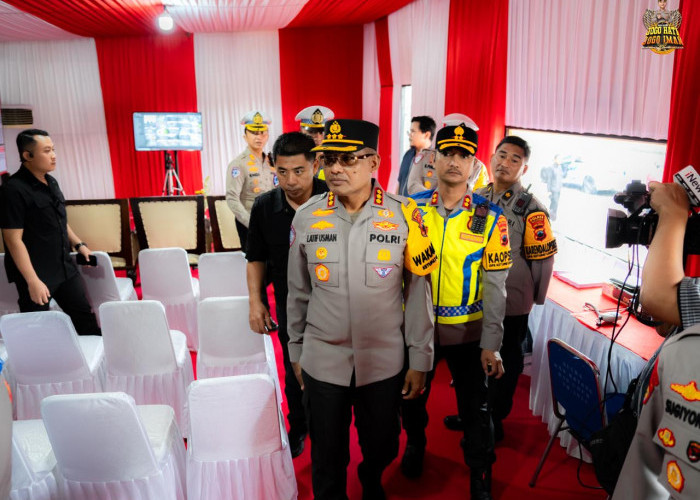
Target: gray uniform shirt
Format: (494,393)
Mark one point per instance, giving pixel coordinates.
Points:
(246,178)
(350,299)
(528,280)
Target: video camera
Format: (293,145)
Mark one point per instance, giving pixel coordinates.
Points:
(639,227)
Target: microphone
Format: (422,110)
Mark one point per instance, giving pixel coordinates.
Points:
(689,179)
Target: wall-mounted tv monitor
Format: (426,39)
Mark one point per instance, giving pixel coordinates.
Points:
(167,131)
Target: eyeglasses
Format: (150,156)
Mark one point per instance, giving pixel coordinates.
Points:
(344,159)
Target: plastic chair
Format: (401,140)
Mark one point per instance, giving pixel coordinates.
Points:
(576,396)
(48,357)
(222,275)
(143,358)
(227,345)
(33,462)
(109,448)
(165,276)
(101,285)
(238,447)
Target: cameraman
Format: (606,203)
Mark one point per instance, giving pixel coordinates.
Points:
(664,458)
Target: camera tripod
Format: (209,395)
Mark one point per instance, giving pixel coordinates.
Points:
(171,184)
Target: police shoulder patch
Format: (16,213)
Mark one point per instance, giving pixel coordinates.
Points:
(538,239)
(235,172)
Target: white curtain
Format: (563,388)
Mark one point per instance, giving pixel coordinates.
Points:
(16,25)
(197,16)
(236,73)
(579,66)
(60,80)
(370,76)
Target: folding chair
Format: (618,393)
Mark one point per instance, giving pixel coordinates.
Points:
(144,358)
(227,344)
(106,447)
(166,277)
(33,462)
(101,285)
(48,357)
(222,274)
(576,396)
(238,448)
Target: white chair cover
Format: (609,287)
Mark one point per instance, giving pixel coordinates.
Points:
(222,274)
(33,462)
(48,358)
(101,285)
(238,448)
(143,358)
(8,291)
(108,448)
(165,276)
(227,344)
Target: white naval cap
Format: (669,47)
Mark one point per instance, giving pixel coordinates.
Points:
(314,116)
(454,119)
(255,121)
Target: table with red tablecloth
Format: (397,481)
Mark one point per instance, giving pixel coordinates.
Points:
(564,316)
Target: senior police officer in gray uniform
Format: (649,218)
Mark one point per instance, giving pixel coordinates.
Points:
(357,298)
(533,247)
(249,175)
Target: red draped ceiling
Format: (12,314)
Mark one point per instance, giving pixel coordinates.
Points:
(343,12)
(477,60)
(331,76)
(146,74)
(386,99)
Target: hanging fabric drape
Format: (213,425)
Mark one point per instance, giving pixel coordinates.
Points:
(343,12)
(150,73)
(16,25)
(578,66)
(321,66)
(236,73)
(386,100)
(371,87)
(61,82)
(477,54)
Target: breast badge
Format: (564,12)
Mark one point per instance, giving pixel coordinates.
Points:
(322,224)
(675,476)
(693,451)
(385,225)
(666,437)
(321,253)
(322,273)
(689,391)
(383,272)
(321,213)
(384,254)
(386,213)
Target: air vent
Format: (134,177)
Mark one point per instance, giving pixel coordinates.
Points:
(17,116)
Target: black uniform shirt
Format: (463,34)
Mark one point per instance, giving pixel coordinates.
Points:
(40,210)
(268,235)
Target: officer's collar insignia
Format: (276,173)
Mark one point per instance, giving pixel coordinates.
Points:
(331,199)
(467,202)
(508,194)
(434,198)
(257,118)
(317,117)
(334,130)
(378,196)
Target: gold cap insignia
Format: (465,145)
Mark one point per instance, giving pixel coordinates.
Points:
(459,132)
(257,118)
(317,117)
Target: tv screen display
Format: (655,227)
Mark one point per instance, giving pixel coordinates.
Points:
(167,131)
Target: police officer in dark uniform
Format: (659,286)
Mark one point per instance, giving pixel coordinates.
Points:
(38,238)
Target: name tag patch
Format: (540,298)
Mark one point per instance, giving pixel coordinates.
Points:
(385,238)
(321,238)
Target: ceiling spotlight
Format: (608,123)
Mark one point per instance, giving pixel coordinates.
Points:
(165,21)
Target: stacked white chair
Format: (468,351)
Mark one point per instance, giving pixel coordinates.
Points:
(166,277)
(227,344)
(238,448)
(101,285)
(48,357)
(109,448)
(222,274)
(143,357)
(8,291)
(33,462)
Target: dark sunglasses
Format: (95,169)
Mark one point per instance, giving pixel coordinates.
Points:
(344,159)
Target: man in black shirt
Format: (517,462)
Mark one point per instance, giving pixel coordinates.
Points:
(267,251)
(38,238)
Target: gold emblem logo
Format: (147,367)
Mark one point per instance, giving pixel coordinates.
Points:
(675,476)
(321,253)
(322,273)
(257,118)
(689,391)
(384,254)
(322,224)
(386,213)
(317,117)
(459,132)
(385,225)
(335,128)
(321,213)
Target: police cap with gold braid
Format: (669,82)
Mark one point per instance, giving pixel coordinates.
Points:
(255,121)
(348,135)
(314,117)
(457,136)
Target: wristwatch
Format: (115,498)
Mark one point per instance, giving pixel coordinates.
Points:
(81,244)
